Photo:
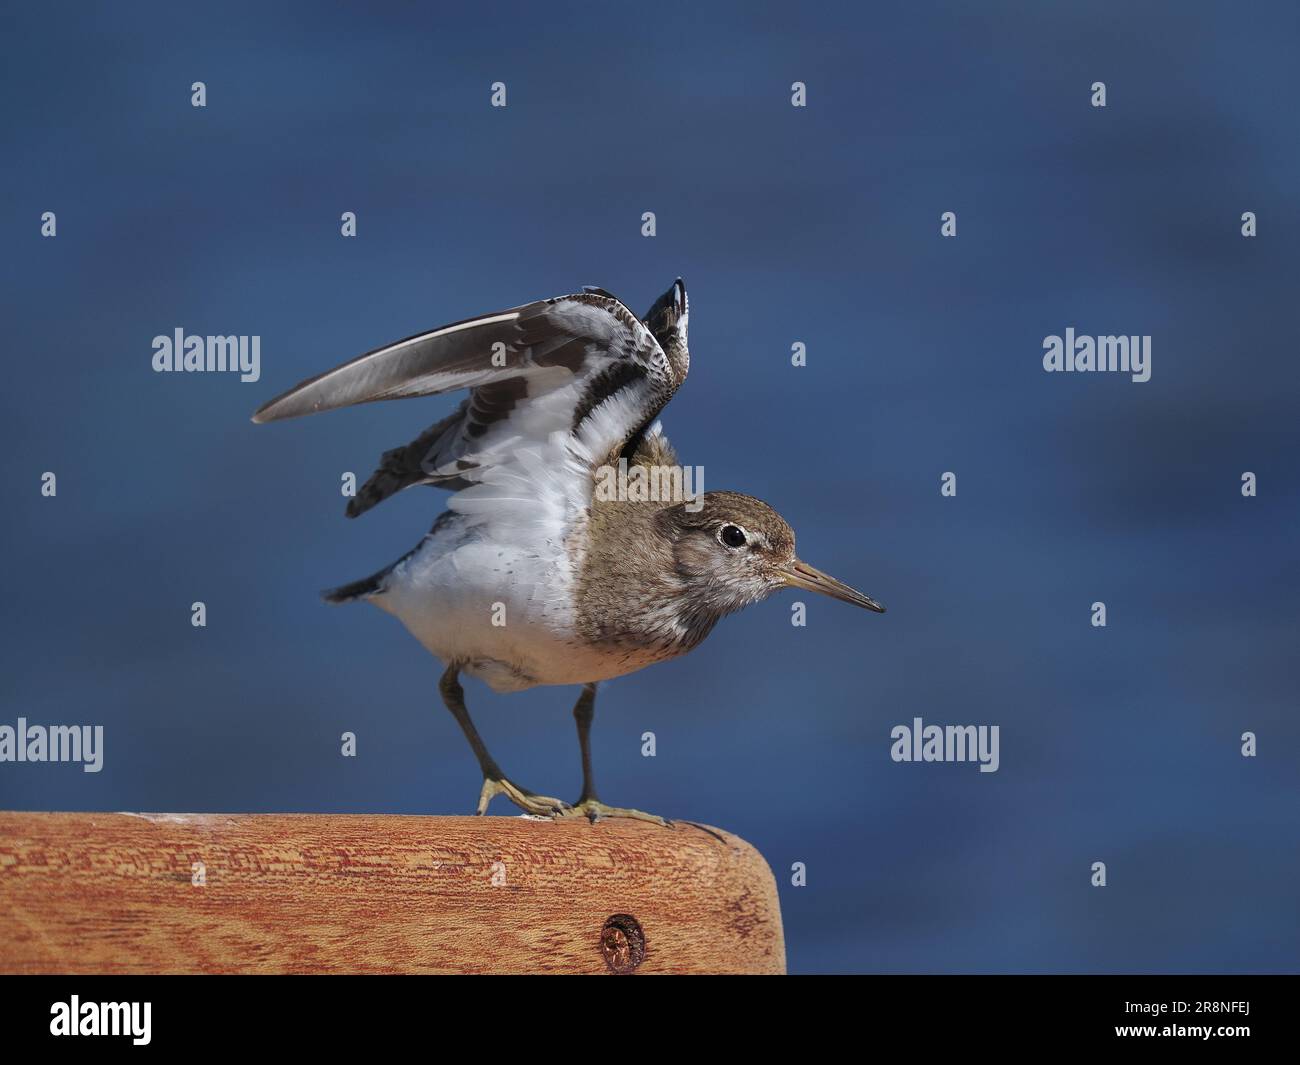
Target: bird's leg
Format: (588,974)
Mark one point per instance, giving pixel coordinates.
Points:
(494,781)
(584,710)
(588,805)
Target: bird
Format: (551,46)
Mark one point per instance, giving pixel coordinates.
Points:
(531,576)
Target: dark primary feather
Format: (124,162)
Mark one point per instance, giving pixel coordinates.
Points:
(401,467)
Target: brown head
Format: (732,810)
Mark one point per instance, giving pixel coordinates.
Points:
(736,550)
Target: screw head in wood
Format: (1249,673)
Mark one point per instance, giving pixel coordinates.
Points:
(622,942)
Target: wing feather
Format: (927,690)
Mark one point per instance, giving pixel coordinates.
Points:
(583,366)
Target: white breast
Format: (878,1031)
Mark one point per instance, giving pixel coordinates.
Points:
(493,587)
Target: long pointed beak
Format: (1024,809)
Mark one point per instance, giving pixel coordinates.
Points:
(801,575)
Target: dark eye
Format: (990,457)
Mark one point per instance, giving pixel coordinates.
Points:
(732,535)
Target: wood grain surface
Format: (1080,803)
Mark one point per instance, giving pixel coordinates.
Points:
(311,893)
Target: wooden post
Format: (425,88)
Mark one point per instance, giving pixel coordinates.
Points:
(308,893)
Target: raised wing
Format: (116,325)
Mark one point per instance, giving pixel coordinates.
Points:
(583,365)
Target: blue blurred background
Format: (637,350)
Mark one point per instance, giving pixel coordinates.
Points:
(818,225)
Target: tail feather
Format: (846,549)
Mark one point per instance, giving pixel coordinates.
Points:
(377,583)
(362,589)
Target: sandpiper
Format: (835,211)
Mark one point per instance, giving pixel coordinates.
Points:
(530,577)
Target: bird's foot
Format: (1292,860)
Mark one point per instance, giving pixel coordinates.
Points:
(593,810)
(529,802)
